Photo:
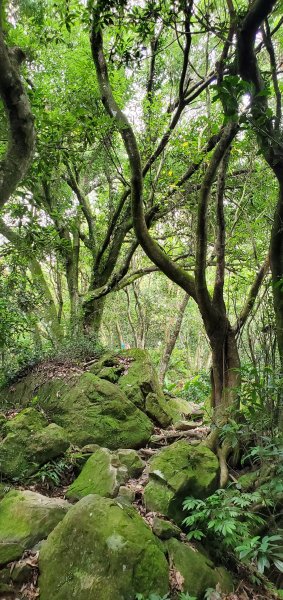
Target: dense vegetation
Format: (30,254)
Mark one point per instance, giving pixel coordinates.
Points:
(141,208)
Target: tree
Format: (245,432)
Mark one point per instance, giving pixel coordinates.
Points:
(21,135)
(221,334)
(267,123)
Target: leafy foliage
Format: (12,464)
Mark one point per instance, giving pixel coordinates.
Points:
(229,517)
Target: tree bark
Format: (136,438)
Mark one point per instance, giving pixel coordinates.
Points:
(172,339)
(276,261)
(225,368)
(50,315)
(20,120)
(92,317)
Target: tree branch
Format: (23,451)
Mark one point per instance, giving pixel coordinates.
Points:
(203,295)
(149,245)
(218,298)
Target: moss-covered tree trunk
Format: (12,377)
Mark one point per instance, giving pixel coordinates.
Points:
(92,317)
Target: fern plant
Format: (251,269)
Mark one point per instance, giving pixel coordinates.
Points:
(229,518)
(222,515)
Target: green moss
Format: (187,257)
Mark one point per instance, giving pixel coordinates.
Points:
(49,443)
(178,471)
(197,570)
(179,408)
(28,420)
(96,411)
(104,472)
(101,550)
(165,529)
(136,376)
(110,374)
(29,443)
(98,476)
(26,518)
(156,408)
(131,460)
(158,497)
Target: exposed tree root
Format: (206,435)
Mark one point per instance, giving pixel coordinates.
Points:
(166,435)
(223,454)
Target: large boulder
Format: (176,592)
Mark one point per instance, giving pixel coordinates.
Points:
(90,410)
(112,404)
(134,373)
(197,571)
(104,473)
(26,518)
(97,411)
(101,550)
(179,471)
(27,442)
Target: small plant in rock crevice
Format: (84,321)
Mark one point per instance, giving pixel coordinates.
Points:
(56,473)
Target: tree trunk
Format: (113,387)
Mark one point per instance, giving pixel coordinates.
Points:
(92,317)
(276,262)
(120,335)
(225,369)
(172,339)
(49,309)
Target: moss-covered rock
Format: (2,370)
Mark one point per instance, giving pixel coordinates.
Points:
(97,411)
(101,550)
(165,529)
(29,442)
(132,461)
(179,408)
(126,493)
(29,420)
(110,405)
(25,518)
(136,376)
(104,472)
(48,444)
(178,471)
(89,409)
(198,572)
(110,373)
(156,408)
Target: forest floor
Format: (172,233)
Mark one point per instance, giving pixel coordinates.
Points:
(162,437)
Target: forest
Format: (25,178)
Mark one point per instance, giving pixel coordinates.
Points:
(141,299)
